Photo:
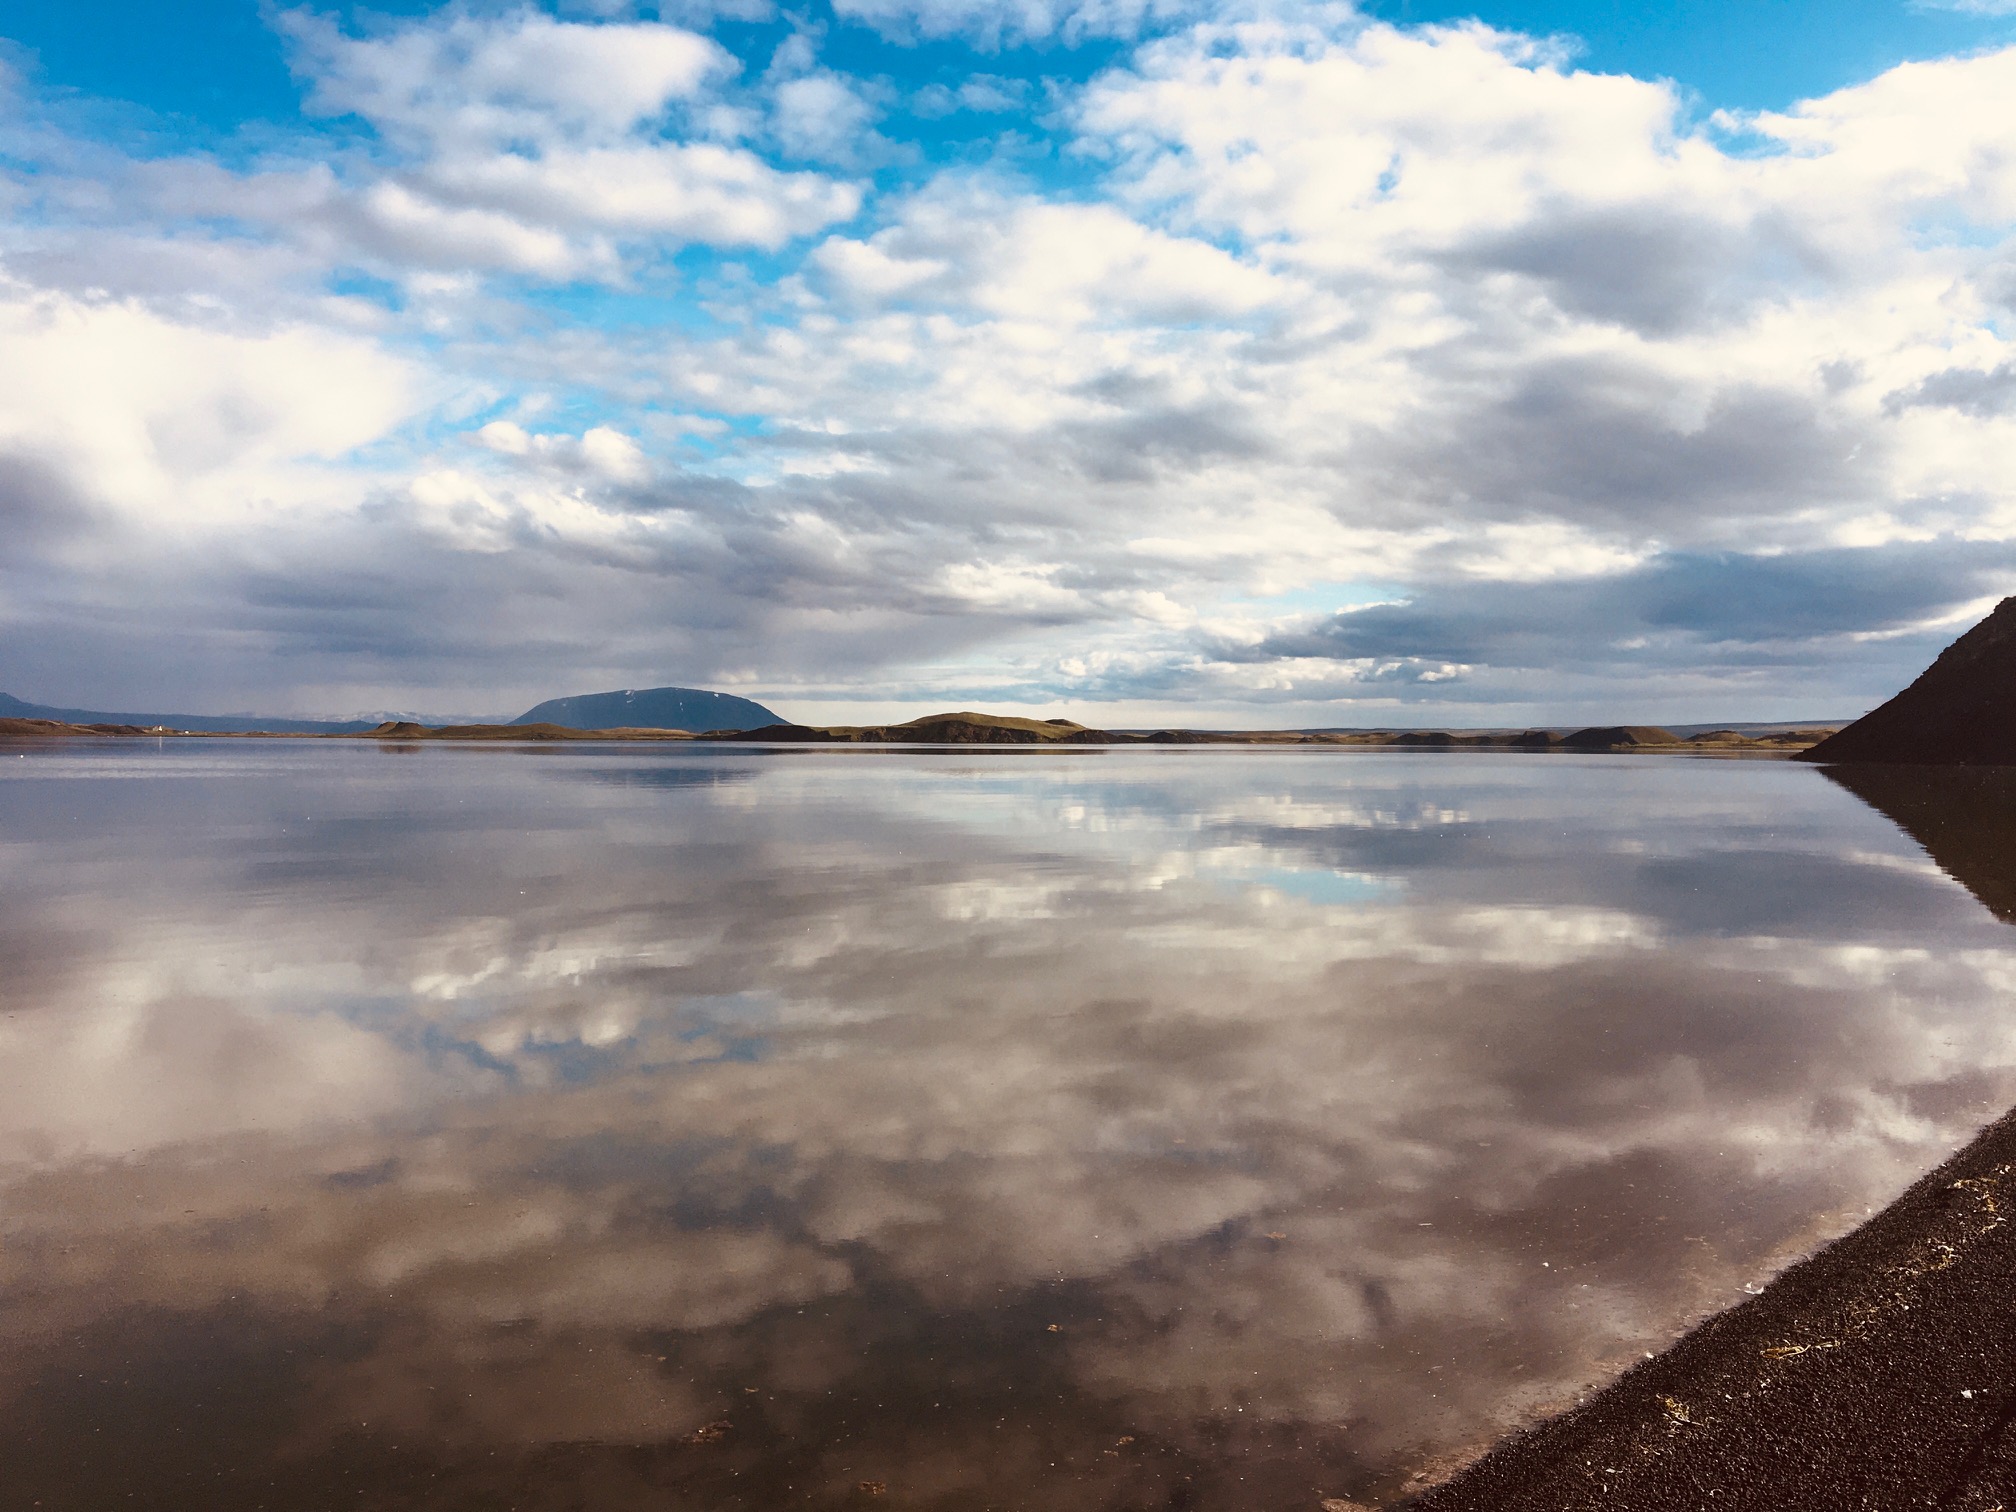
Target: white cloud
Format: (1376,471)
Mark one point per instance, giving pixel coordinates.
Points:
(1025,259)
(691,192)
(820,116)
(521,144)
(600,451)
(1342,145)
(983,94)
(1921,135)
(470,80)
(179,425)
(1327,301)
(391,221)
(569,500)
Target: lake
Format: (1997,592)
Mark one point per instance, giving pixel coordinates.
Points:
(678,1127)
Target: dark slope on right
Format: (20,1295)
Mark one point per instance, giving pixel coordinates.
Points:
(1960,712)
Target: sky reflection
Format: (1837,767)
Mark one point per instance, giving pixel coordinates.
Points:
(1110,1130)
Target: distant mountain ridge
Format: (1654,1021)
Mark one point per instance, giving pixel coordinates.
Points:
(15,708)
(693,709)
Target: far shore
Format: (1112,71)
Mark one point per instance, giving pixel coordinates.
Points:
(996,730)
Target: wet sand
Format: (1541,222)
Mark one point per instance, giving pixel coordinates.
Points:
(1879,1374)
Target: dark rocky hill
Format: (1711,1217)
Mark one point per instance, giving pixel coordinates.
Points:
(1960,712)
(692,709)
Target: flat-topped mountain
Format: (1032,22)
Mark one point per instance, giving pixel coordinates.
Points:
(1960,712)
(692,709)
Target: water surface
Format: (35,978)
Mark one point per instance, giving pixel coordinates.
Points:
(615,1127)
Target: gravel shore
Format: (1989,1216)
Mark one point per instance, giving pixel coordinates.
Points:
(1880,1374)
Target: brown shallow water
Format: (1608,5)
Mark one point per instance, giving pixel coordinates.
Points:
(617,1128)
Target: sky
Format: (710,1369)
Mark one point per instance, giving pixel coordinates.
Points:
(1207,361)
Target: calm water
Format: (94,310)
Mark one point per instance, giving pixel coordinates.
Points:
(619,1127)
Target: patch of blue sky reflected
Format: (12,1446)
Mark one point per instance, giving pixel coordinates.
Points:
(1330,889)
(739,1023)
(577,1063)
(531,1039)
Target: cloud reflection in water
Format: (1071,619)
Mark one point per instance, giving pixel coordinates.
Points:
(1090,1131)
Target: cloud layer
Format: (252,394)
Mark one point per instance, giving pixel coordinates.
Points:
(547,353)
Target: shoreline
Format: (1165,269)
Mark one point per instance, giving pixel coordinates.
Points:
(996,732)
(1878,1373)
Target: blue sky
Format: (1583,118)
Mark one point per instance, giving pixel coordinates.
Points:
(218,65)
(1138,359)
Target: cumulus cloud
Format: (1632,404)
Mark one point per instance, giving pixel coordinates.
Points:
(600,450)
(136,411)
(1327,303)
(1025,259)
(983,94)
(514,143)
(482,81)
(1984,395)
(822,117)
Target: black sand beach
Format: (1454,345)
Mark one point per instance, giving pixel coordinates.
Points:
(1879,1374)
